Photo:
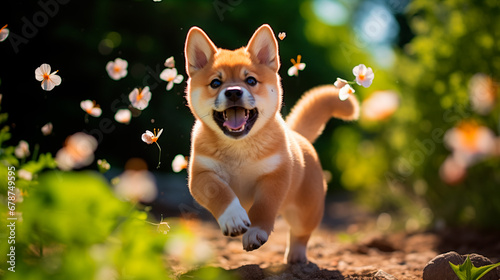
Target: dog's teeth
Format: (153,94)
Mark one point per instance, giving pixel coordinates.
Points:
(237,130)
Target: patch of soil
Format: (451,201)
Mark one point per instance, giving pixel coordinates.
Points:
(351,251)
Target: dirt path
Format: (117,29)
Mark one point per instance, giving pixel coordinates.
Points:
(334,254)
(403,257)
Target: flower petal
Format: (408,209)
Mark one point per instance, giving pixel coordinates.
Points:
(293,71)
(122,63)
(168,74)
(47,129)
(39,74)
(170,85)
(147,137)
(179,163)
(48,85)
(159,133)
(360,69)
(123,116)
(45,68)
(170,62)
(146,94)
(178,79)
(86,105)
(96,112)
(132,97)
(56,79)
(340,83)
(343,96)
(345,91)
(4,34)
(142,104)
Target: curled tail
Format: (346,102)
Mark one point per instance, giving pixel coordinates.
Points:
(309,116)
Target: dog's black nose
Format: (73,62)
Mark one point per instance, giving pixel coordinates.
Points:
(234,93)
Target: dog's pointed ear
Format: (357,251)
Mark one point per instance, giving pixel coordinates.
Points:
(198,50)
(264,48)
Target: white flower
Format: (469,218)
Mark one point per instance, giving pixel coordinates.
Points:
(25,175)
(380,105)
(117,69)
(150,137)
(136,185)
(294,70)
(470,142)
(483,93)
(170,75)
(22,150)
(364,75)
(4,33)
(91,108)
(345,91)
(179,163)
(49,80)
(140,98)
(340,83)
(47,129)
(123,116)
(282,35)
(170,62)
(77,152)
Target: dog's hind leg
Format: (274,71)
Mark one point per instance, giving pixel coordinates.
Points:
(304,215)
(301,227)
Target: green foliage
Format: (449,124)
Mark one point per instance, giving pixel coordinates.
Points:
(467,271)
(75,228)
(393,165)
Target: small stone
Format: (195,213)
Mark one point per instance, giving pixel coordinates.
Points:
(384,275)
(439,268)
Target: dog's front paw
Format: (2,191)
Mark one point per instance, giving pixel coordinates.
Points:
(254,238)
(234,221)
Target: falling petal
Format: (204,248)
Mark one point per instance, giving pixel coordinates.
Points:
(123,116)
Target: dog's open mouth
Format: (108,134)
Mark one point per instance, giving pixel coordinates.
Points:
(236,121)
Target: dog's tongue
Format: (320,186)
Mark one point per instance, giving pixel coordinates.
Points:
(235,118)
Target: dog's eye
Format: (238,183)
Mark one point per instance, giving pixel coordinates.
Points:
(215,83)
(251,81)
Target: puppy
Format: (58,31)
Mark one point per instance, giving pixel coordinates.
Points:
(247,163)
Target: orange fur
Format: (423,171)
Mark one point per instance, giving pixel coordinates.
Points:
(316,107)
(247,165)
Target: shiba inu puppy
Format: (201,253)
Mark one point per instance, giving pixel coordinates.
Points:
(247,163)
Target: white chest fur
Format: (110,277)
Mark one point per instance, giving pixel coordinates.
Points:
(241,175)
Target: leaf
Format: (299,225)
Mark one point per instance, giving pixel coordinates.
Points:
(478,272)
(467,271)
(458,269)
